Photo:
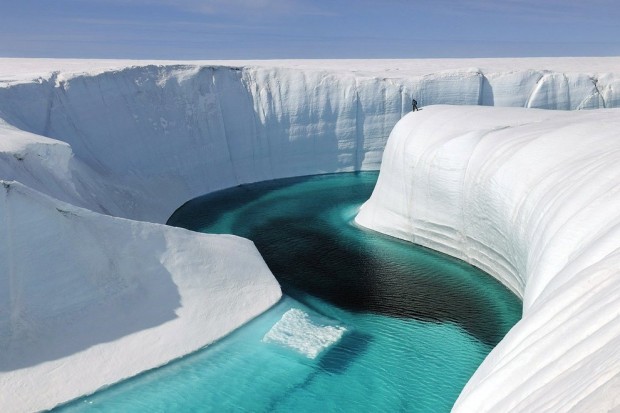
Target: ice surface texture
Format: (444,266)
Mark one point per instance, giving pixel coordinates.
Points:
(86,143)
(533,198)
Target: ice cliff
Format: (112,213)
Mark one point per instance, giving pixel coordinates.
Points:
(195,128)
(533,198)
(85,144)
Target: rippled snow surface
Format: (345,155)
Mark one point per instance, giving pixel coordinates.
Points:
(368,323)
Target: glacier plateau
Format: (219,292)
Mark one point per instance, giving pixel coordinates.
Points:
(90,150)
(533,198)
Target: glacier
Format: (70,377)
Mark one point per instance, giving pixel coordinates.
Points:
(196,128)
(533,198)
(96,154)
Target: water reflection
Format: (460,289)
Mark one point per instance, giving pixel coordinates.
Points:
(297,226)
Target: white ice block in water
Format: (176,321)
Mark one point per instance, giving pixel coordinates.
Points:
(298,331)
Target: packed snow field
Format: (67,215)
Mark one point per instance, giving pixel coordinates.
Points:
(84,144)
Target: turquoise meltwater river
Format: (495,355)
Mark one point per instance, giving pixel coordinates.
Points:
(368,323)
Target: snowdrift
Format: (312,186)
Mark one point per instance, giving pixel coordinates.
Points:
(90,150)
(89,299)
(533,198)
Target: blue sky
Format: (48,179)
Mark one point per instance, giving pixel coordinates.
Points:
(271,29)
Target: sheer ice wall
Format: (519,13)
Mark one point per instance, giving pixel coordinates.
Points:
(533,198)
(193,129)
(139,140)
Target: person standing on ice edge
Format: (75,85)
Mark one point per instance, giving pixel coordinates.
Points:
(414,103)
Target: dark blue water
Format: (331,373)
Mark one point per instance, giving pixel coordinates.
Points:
(413,324)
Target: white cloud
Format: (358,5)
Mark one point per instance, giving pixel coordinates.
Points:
(233,7)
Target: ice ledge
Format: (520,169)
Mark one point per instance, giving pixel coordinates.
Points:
(87,300)
(532,197)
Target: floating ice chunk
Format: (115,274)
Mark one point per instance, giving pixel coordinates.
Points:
(298,331)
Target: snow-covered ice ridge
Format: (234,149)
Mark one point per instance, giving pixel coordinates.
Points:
(533,198)
(88,299)
(85,144)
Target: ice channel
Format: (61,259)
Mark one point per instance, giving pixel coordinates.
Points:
(369,323)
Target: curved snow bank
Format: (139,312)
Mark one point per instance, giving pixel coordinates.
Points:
(88,300)
(533,198)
